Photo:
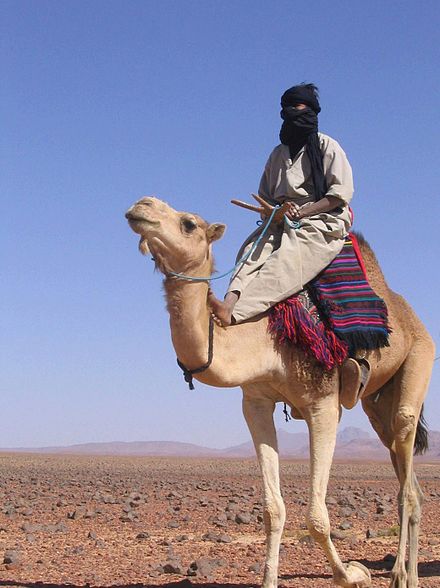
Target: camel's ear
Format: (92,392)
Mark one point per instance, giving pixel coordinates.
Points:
(215,231)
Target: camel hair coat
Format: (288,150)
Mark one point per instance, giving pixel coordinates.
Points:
(287,258)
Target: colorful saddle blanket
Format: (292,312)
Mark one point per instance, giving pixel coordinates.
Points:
(337,315)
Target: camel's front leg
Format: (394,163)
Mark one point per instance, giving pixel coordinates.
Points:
(322,419)
(259,417)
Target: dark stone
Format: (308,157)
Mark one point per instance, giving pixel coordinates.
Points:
(243,518)
(181,538)
(30,527)
(223,538)
(210,536)
(172,567)
(173,525)
(202,568)
(11,557)
(345,525)
(76,514)
(338,535)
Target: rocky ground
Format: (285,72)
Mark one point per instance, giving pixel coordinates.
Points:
(103,521)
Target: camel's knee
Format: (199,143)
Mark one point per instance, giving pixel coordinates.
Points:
(274,514)
(416,516)
(318,523)
(405,424)
(410,499)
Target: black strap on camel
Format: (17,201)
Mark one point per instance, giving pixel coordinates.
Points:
(188,374)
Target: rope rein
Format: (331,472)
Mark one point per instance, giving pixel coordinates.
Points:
(243,259)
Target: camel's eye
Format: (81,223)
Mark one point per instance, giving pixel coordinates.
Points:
(189,225)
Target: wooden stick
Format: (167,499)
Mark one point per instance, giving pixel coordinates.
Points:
(246,205)
(263,202)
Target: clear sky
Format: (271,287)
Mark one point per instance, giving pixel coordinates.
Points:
(106,101)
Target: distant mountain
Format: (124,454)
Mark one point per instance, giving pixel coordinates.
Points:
(289,444)
(352,434)
(352,444)
(146,448)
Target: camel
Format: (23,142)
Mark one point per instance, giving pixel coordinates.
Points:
(245,355)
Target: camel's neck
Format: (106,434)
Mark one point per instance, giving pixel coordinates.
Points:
(189,320)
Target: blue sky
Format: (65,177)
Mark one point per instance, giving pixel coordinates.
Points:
(105,101)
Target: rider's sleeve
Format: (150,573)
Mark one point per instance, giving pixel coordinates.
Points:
(337,170)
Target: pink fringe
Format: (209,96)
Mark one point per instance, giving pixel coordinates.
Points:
(290,322)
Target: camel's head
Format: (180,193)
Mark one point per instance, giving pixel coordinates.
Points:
(178,241)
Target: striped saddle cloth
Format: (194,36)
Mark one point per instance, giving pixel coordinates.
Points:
(337,315)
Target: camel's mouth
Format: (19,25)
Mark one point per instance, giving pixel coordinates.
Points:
(134,217)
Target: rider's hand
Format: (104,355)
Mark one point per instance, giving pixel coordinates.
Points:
(293,212)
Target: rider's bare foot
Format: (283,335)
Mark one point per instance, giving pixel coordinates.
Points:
(222,309)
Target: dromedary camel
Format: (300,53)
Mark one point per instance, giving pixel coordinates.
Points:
(245,355)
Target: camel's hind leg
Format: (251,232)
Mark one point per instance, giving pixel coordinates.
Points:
(258,413)
(322,419)
(395,416)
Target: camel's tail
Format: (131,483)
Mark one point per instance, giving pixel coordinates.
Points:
(421,443)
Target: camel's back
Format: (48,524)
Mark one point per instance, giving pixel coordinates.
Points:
(404,322)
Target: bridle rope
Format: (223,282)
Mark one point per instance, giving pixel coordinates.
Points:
(240,262)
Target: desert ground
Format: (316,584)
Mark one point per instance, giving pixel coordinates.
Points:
(76,521)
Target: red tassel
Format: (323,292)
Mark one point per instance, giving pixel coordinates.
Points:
(290,321)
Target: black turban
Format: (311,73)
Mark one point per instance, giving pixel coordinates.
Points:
(300,128)
(303,94)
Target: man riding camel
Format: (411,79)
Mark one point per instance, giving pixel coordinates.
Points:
(309,175)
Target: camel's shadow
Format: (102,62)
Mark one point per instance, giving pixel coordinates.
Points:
(181,584)
(380,567)
(426,569)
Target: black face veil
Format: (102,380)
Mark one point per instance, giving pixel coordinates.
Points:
(300,128)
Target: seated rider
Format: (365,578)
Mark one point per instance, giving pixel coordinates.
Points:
(309,172)
(310,175)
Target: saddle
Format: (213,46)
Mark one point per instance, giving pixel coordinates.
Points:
(337,315)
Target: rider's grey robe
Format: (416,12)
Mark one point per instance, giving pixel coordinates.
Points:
(289,258)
